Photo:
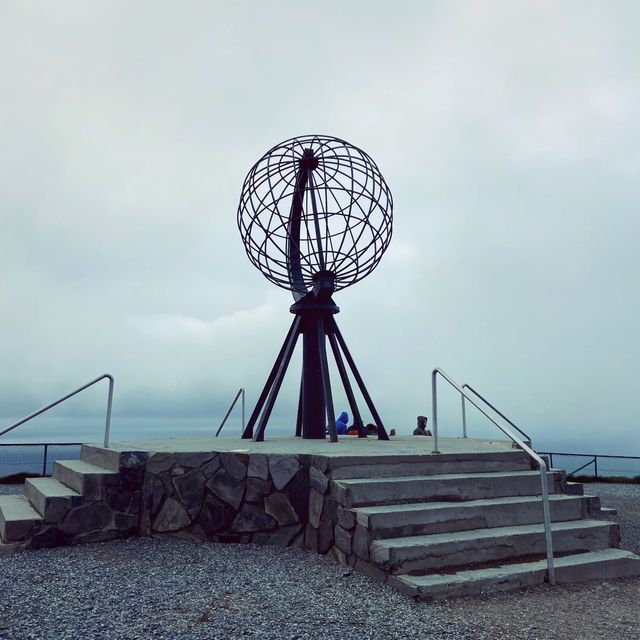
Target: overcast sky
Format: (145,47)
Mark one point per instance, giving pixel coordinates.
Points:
(508,133)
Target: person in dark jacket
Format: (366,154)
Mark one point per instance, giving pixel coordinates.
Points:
(421,429)
(342,424)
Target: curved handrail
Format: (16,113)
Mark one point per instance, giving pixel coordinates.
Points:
(233,404)
(107,426)
(541,463)
(526,437)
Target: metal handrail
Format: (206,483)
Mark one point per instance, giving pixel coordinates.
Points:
(526,437)
(541,463)
(594,459)
(107,425)
(233,404)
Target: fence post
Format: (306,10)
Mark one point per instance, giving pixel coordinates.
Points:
(595,464)
(44,461)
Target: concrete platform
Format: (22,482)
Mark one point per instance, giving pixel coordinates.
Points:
(347,446)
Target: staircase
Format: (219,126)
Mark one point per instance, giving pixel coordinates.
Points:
(437,534)
(81,502)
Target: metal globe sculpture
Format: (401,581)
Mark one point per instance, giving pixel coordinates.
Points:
(314,204)
(315,216)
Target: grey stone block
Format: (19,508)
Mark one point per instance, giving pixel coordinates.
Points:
(257,489)
(93,516)
(191,460)
(346,518)
(318,480)
(159,463)
(172,517)
(215,517)
(227,489)
(361,542)
(311,538)
(278,506)
(211,468)
(252,519)
(281,537)
(338,555)
(298,493)
(258,466)
(325,531)
(316,504)
(343,540)
(234,464)
(191,488)
(282,469)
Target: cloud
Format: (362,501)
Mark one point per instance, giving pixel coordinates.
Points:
(507,132)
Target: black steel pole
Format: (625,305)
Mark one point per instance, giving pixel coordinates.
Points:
(313,400)
(346,383)
(248,431)
(282,369)
(326,380)
(382,433)
(299,416)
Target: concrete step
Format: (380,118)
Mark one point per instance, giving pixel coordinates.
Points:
(101,456)
(50,498)
(85,478)
(445,487)
(17,518)
(342,468)
(604,564)
(417,554)
(411,519)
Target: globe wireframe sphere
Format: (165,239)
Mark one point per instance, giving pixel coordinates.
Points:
(344,213)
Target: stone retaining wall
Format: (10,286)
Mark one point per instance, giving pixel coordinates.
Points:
(237,497)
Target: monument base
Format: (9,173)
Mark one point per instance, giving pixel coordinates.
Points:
(392,510)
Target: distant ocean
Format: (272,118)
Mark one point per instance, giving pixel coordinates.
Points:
(30,458)
(91,429)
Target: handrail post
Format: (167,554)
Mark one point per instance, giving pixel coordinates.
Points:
(595,464)
(44,460)
(544,481)
(233,404)
(242,409)
(107,425)
(434,410)
(66,397)
(464,418)
(518,442)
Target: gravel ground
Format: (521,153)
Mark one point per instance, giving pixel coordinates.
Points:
(163,588)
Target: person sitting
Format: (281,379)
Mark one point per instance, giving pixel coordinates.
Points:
(371,429)
(421,429)
(342,424)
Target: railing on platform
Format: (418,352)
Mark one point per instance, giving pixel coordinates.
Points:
(525,436)
(233,404)
(594,457)
(107,425)
(34,457)
(520,443)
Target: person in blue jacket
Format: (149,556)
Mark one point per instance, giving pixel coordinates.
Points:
(342,423)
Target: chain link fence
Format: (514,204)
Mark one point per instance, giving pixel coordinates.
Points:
(35,458)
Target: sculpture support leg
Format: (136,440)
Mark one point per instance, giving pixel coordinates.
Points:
(279,376)
(248,431)
(326,381)
(313,403)
(346,383)
(382,433)
(299,416)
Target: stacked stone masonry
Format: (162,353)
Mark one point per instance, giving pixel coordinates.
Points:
(417,522)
